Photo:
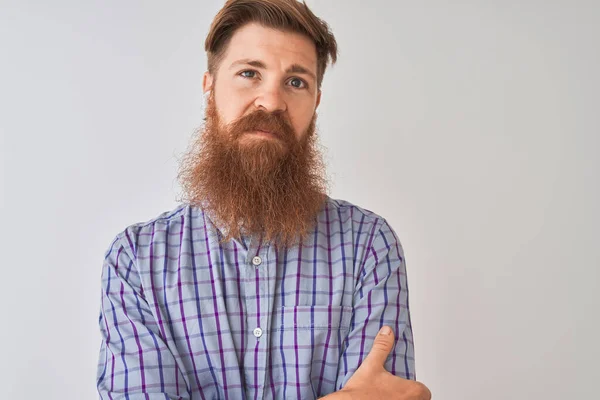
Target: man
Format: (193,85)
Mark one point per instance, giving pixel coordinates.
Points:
(259,285)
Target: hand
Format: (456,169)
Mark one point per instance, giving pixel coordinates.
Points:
(371,380)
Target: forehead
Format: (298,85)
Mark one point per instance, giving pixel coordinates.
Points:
(256,41)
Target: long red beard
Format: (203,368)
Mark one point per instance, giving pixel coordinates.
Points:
(266,187)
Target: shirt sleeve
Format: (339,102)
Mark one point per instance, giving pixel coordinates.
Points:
(380,298)
(134,361)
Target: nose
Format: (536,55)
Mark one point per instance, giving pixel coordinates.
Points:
(271,100)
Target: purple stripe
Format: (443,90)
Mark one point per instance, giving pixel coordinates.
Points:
(195,274)
(270,365)
(358,275)
(370,248)
(298,394)
(386,300)
(153,292)
(314,294)
(112,368)
(137,339)
(363,335)
(181,310)
(281,332)
(396,331)
(112,377)
(131,245)
(193,360)
(126,372)
(167,311)
(153,337)
(256,280)
(242,316)
(326,347)
(369,306)
(345,355)
(217,317)
(404,338)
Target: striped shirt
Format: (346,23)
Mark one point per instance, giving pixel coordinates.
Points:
(184,317)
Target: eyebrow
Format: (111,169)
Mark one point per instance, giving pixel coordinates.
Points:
(294,68)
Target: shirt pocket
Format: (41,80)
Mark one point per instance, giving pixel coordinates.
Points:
(306,345)
(304,318)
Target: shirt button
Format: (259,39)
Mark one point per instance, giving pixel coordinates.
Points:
(256,261)
(258,332)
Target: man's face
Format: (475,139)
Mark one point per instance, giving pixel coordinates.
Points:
(271,183)
(270,70)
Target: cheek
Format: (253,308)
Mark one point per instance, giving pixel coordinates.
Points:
(301,121)
(230,107)
(231,99)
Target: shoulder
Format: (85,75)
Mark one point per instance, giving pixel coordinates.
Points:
(351,213)
(372,235)
(369,228)
(142,232)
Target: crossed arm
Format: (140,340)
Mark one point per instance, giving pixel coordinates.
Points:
(380,301)
(134,361)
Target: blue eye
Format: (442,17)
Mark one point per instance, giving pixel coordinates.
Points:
(249,70)
(296,83)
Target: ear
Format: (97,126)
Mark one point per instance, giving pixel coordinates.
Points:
(207,82)
(318,98)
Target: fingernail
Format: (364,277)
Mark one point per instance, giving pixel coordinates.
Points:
(385,331)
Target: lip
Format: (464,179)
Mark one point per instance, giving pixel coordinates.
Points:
(264,134)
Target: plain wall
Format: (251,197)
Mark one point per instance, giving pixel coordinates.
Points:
(473,127)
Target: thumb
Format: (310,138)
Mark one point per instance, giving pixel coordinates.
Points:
(383,344)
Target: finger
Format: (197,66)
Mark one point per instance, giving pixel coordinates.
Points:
(383,344)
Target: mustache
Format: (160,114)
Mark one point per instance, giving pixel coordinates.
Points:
(261,120)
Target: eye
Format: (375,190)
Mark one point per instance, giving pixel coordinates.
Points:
(297,83)
(248,71)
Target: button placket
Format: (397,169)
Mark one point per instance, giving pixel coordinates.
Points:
(257,261)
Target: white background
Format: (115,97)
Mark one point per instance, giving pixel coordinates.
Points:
(472,126)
